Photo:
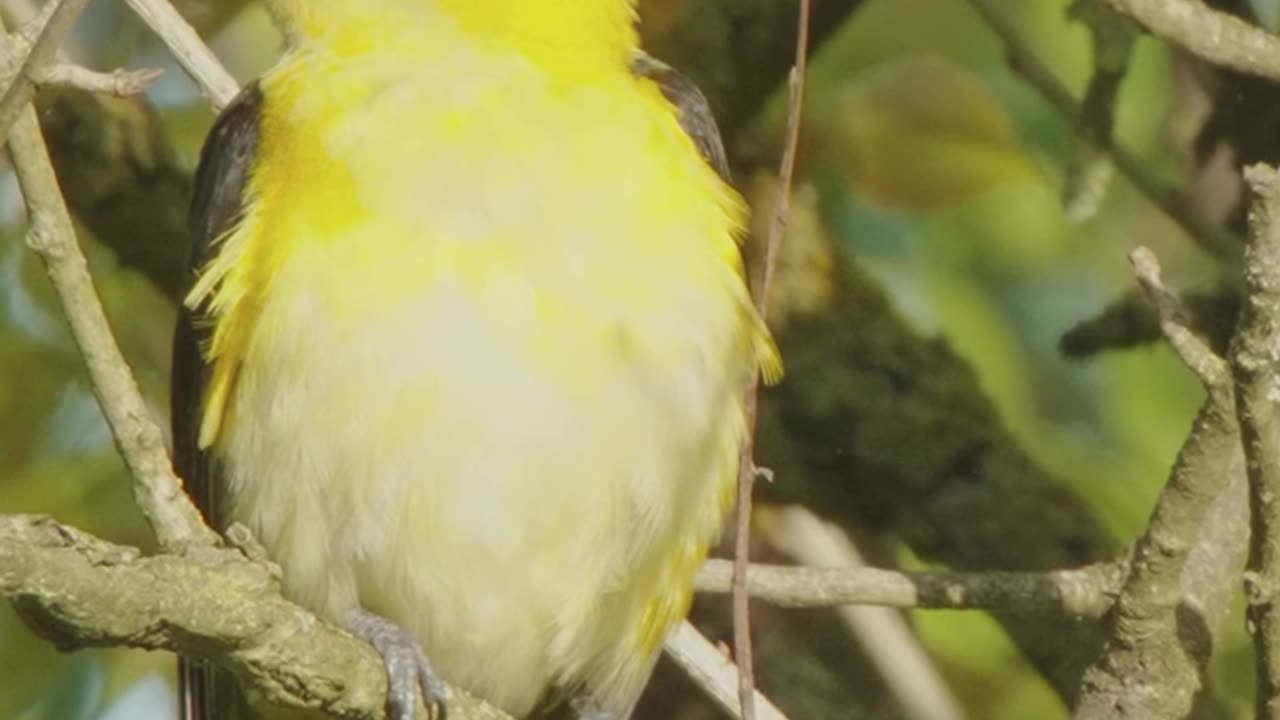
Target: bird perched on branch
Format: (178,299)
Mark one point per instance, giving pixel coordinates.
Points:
(467,342)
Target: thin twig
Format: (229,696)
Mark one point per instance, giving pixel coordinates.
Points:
(158,492)
(185,44)
(747,469)
(1255,355)
(122,83)
(54,23)
(1085,593)
(713,671)
(1194,352)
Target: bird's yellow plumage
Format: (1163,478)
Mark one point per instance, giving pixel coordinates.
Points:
(480,338)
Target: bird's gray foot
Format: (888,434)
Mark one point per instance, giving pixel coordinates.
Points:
(408,671)
(586,709)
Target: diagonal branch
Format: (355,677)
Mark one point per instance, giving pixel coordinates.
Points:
(194,56)
(1214,36)
(159,494)
(1175,320)
(1150,667)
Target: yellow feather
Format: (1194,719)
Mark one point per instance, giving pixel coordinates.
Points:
(481,337)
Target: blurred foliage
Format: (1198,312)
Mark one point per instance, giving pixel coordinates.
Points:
(930,161)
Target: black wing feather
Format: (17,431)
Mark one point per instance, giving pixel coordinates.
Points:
(206,693)
(695,112)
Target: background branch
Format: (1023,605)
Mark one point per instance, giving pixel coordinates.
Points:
(1173,201)
(1214,36)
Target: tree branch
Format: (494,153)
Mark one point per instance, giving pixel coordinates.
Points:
(78,591)
(1150,667)
(122,83)
(194,56)
(1174,321)
(1255,355)
(1214,36)
(54,23)
(1086,593)
(714,672)
(159,494)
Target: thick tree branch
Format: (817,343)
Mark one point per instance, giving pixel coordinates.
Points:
(1256,363)
(78,591)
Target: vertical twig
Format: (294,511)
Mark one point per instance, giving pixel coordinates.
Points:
(1256,365)
(747,469)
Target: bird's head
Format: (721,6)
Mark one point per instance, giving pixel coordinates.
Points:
(562,26)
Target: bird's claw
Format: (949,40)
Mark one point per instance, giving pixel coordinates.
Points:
(409,673)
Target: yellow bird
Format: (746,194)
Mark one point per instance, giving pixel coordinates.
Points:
(467,342)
